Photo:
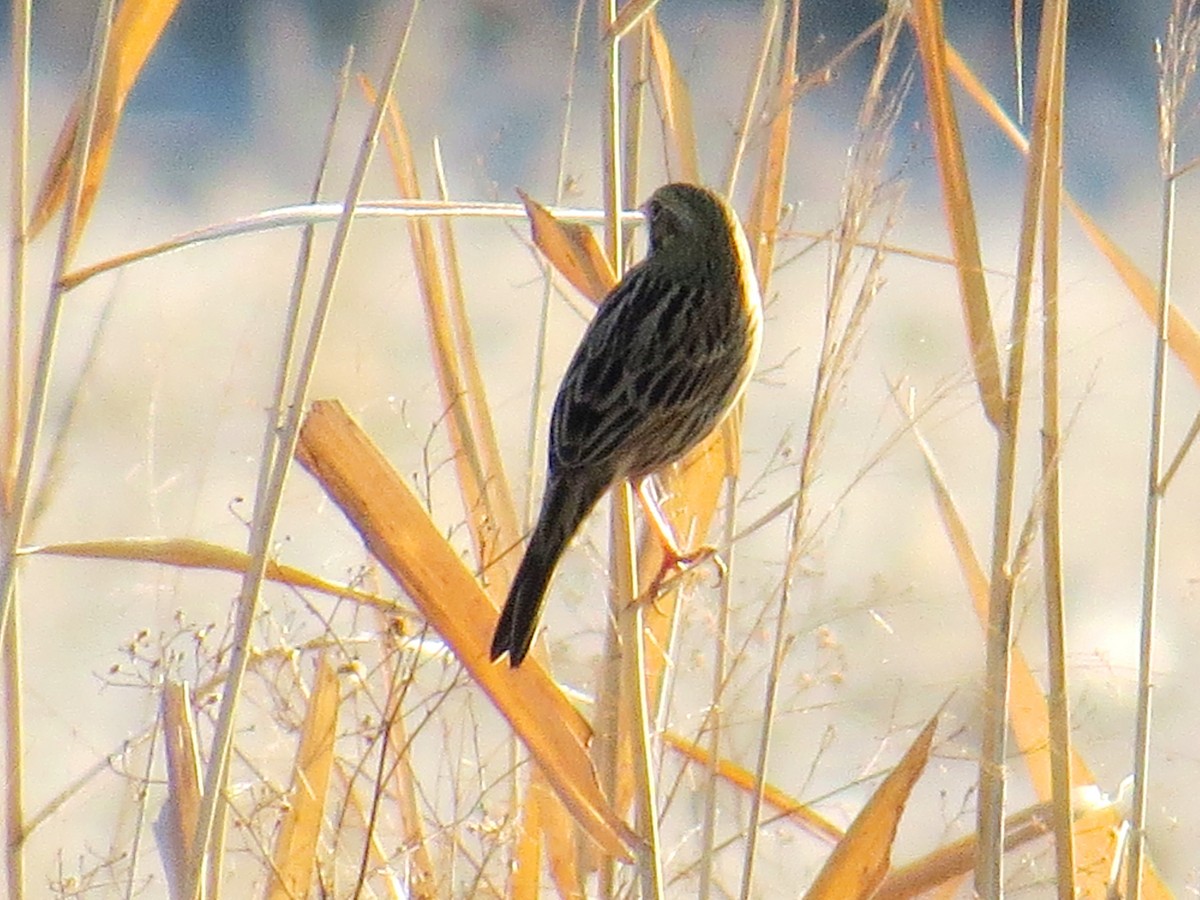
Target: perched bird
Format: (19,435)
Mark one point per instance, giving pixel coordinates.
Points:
(668,354)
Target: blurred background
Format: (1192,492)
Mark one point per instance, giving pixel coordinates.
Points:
(165,368)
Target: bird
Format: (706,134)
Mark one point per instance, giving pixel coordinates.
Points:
(668,354)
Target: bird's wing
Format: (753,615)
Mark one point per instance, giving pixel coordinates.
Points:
(651,361)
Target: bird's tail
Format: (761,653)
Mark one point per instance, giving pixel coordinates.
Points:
(567,502)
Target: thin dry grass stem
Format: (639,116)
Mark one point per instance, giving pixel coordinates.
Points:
(630,15)
(544,819)
(1096,838)
(610,135)
(54,439)
(634,709)
(816,238)
(19,243)
(763,237)
(29,431)
(989,874)
(692,486)
(273,461)
(16,828)
(771,15)
(526,870)
(327,213)
(10,440)
(393,760)
(1182,336)
(636,715)
(422,875)
(140,818)
(690,492)
(539,368)
(1019,58)
(841,333)
(720,675)
(675,110)
(762,230)
(500,508)
(635,122)
(825,71)
(1177,65)
(265,512)
(605,750)
(348,788)
(35,410)
(290,332)
(183,774)
(490,514)
(1058,699)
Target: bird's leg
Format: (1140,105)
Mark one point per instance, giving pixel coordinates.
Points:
(675,561)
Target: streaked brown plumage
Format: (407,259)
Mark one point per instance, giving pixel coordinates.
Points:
(666,357)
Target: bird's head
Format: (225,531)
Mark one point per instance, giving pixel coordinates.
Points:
(688,222)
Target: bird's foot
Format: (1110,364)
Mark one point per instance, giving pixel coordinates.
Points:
(675,564)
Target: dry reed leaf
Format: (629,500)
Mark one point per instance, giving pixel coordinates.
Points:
(183,778)
(807,819)
(527,857)
(1028,716)
(397,529)
(136,29)
(860,861)
(546,824)
(506,529)
(558,836)
(188,553)
(1182,335)
(676,106)
(481,489)
(926,18)
(949,863)
(573,250)
(763,226)
(295,856)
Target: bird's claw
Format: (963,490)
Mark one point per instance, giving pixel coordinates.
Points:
(675,565)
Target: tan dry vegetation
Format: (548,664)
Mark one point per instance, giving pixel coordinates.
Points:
(333,727)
